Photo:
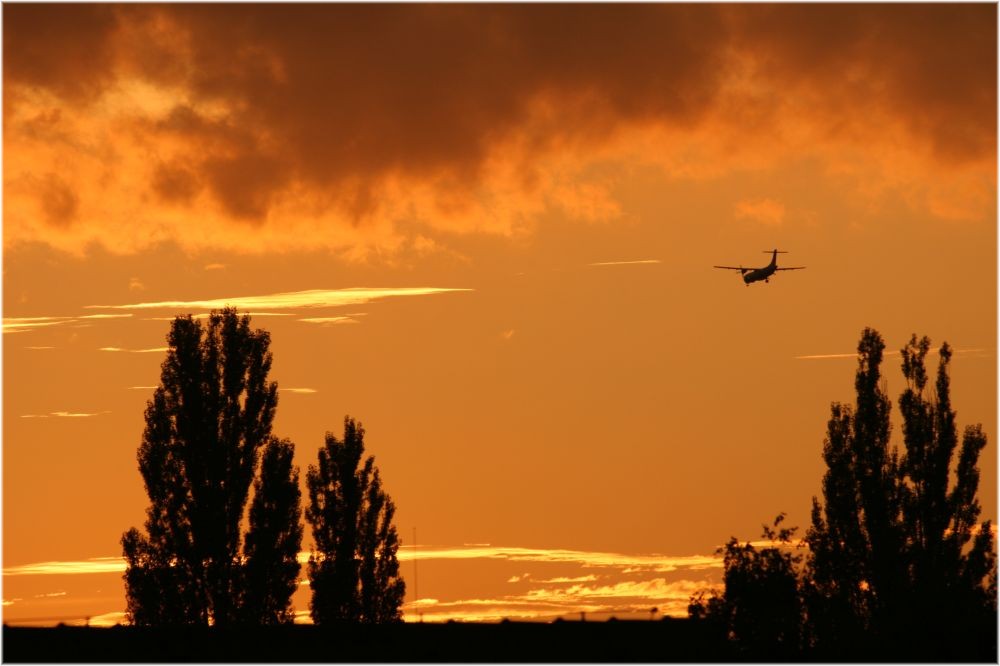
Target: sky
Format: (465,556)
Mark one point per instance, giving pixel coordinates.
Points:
(487,232)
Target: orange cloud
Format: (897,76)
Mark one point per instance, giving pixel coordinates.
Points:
(366,128)
(309,298)
(764,211)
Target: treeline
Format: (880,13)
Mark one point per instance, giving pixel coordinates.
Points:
(207,441)
(896,565)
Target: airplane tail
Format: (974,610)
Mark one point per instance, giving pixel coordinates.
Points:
(774,255)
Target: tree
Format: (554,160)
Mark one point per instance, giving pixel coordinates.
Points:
(855,538)
(205,425)
(272,545)
(353,571)
(895,556)
(949,556)
(760,609)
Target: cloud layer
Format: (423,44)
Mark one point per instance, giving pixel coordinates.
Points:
(362,125)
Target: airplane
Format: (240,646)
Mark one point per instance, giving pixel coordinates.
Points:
(755,274)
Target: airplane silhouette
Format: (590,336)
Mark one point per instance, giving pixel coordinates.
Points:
(765,273)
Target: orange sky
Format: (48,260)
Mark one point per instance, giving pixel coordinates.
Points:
(487,232)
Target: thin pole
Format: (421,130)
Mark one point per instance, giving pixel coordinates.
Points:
(416,595)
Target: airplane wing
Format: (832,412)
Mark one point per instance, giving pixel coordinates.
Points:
(790,268)
(733,268)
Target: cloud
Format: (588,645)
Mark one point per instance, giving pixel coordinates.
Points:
(134,351)
(107,619)
(141,388)
(632,597)
(626,263)
(329,321)
(24,324)
(93,565)
(767,212)
(62,415)
(577,579)
(367,128)
(652,563)
(299,390)
(205,315)
(624,585)
(37,347)
(508,334)
(310,298)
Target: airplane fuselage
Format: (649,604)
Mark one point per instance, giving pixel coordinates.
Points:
(758,274)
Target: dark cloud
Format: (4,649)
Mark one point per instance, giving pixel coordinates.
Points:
(59,202)
(932,65)
(335,97)
(175,183)
(67,48)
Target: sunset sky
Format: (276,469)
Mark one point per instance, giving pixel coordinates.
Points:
(487,232)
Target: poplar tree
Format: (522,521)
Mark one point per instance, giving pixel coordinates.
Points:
(896,556)
(205,425)
(273,542)
(951,560)
(353,571)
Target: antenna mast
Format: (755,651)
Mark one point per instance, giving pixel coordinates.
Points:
(416,596)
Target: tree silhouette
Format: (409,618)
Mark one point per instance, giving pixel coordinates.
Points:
(353,572)
(856,540)
(760,609)
(274,540)
(898,565)
(895,555)
(949,555)
(205,424)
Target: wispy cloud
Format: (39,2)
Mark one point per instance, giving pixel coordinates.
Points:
(93,565)
(107,619)
(205,315)
(299,390)
(626,263)
(71,415)
(310,298)
(22,324)
(134,351)
(631,597)
(891,352)
(623,584)
(39,347)
(651,563)
(141,388)
(565,579)
(332,321)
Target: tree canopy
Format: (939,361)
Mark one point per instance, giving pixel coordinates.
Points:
(897,558)
(205,425)
(353,572)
